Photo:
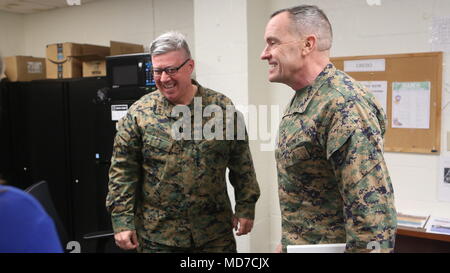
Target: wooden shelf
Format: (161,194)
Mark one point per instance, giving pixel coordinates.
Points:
(421,233)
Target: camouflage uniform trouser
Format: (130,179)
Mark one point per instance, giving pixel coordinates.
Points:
(223,244)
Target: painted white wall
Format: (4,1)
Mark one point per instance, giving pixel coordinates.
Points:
(221,57)
(267,207)
(400,26)
(221,47)
(12,39)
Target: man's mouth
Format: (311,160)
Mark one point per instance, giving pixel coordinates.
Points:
(169,85)
(272,66)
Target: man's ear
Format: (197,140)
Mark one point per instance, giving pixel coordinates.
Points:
(310,44)
(192,64)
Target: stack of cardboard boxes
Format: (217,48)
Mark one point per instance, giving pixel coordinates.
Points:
(66,60)
(97,66)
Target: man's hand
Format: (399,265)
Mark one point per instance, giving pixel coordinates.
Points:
(126,240)
(279,248)
(245,225)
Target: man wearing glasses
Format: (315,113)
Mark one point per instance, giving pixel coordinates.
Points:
(168,194)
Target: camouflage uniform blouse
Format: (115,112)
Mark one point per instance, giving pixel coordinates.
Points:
(174,192)
(334,186)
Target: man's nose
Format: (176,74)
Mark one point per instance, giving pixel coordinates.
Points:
(165,77)
(265,54)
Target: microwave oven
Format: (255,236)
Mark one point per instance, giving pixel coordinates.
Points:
(130,70)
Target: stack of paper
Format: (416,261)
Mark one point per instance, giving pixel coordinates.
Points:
(414,221)
(439,225)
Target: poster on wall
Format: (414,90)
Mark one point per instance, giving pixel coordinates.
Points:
(411,105)
(444,180)
(440,34)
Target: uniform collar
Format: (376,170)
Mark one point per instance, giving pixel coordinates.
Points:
(302,97)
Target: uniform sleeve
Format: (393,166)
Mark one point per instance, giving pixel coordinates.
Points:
(124,174)
(364,184)
(242,173)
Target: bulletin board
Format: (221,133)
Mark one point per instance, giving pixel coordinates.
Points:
(400,70)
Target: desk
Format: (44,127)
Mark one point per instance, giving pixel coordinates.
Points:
(412,240)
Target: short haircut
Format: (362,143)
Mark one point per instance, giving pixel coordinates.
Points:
(170,41)
(310,19)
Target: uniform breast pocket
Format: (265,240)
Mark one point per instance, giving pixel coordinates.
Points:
(156,153)
(156,146)
(294,155)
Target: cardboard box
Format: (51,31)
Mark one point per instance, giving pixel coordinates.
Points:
(93,52)
(96,68)
(2,68)
(73,60)
(24,68)
(60,62)
(94,65)
(119,48)
(64,60)
(2,74)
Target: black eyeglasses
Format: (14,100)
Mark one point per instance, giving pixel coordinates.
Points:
(157,72)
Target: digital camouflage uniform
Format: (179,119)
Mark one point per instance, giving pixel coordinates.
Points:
(334,186)
(173,192)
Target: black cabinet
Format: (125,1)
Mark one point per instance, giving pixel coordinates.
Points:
(62,131)
(6,166)
(40,137)
(87,189)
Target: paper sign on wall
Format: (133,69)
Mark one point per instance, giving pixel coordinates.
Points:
(444,177)
(365,65)
(440,34)
(379,90)
(411,105)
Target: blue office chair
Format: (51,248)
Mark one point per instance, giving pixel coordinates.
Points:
(103,240)
(41,192)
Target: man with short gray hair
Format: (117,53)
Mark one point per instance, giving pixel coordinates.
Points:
(169,194)
(334,185)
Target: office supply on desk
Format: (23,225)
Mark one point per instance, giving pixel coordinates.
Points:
(318,248)
(438,225)
(413,221)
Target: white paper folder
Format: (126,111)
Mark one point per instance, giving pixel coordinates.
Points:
(320,248)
